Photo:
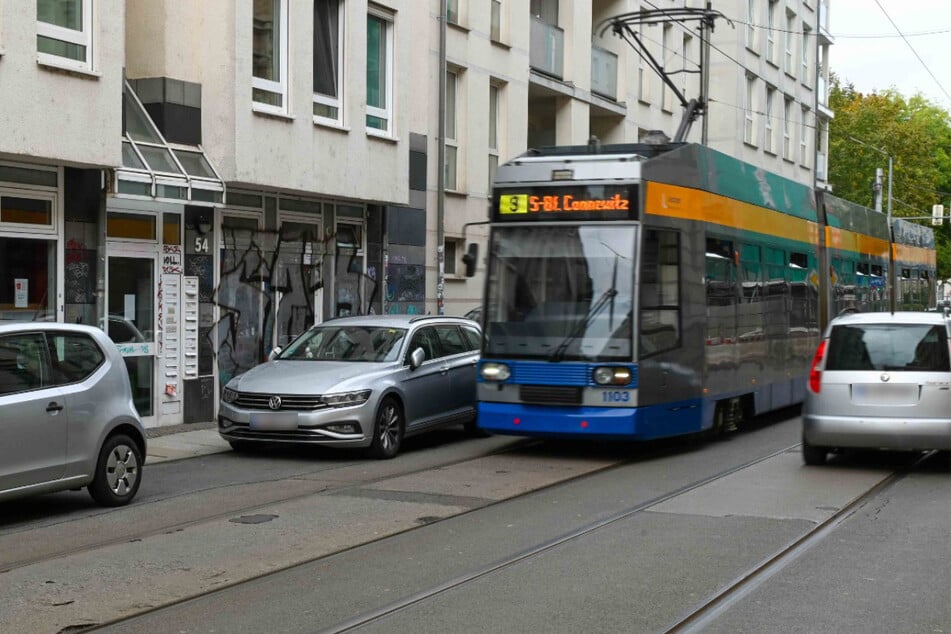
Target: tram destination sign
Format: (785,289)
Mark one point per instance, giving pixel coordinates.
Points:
(573,202)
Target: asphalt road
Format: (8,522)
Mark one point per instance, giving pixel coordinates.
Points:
(451,537)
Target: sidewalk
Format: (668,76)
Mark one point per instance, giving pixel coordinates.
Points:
(176,442)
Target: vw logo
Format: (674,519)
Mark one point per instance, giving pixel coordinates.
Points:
(885,377)
(274,402)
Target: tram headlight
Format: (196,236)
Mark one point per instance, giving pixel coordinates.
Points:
(609,375)
(495,372)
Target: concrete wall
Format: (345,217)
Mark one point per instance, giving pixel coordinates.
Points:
(61,116)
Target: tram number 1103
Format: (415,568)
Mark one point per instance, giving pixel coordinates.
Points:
(609,396)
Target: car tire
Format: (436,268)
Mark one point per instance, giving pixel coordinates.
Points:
(387,430)
(812,455)
(118,472)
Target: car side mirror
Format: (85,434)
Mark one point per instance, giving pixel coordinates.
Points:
(471,258)
(416,358)
(273,354)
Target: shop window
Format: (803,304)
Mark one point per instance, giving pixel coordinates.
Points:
(130,226)
(27,278)
(349,236)
(26,211)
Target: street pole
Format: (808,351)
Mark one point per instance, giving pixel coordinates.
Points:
(441,170)
(891,240)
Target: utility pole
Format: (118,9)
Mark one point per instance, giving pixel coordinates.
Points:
(441,170)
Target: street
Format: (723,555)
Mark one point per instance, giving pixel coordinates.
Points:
(497,535)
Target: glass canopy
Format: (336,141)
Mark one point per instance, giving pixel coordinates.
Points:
(154,168)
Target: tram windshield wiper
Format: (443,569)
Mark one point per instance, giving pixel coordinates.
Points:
(606,298)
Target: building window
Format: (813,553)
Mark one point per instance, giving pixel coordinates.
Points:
(789,44)
(768,117)
(684,56)
(328,33)
(452,11)
(643,72)
(64,33)
(667,95)
(493,134)
(495,26)
(748,127)
(452,143)
(269,56)
(751,24)
(452,248)
(804,138)
(787,129)
(770,31)
(379,73)
(807,42)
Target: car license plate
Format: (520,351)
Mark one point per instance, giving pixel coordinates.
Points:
(274,421)
(885,394)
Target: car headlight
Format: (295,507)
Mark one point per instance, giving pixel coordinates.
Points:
(607,375)
(495,372)
(228,395)
(346,399)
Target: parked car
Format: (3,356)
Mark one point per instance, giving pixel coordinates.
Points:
(879,381)
(66,414)
(358,382)
(475,314)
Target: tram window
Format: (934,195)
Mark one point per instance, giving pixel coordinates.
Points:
(660,292)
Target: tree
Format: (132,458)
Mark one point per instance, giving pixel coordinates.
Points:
(915,132)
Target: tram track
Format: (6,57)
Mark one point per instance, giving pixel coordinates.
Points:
(11,564)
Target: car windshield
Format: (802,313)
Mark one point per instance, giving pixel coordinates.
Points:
(346,343)
(561,292)
(893,347)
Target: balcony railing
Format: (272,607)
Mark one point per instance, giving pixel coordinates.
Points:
(603,72)
(547,48)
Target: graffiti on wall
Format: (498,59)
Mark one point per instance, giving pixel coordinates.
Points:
(267,285)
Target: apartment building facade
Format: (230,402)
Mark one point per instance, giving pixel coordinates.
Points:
(206,180)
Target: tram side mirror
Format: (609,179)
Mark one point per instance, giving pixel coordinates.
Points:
(470,258)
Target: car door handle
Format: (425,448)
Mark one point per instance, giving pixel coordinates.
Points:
(54,407)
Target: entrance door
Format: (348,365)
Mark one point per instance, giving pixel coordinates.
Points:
(297,280)
(131,323)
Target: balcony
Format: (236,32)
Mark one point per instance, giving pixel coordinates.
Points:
(547,49)
(604,73)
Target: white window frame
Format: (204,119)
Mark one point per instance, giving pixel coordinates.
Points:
(268,85)
(495,98)
(495,20)
(770,25)
(787,128)
(804,54)
(804,138)
(386,113)
(451,173)
(327,100)
(789,44)
(80,38)
(768,121)
(25,191)
(751,25)
(749,130)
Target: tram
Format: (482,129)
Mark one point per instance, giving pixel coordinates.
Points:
(644,291)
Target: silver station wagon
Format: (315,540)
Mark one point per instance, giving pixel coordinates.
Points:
(879,381)
(363,381)
(67,419)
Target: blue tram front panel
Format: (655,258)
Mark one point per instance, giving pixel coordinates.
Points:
(562,399)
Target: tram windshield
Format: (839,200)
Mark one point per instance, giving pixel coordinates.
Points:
(561,292)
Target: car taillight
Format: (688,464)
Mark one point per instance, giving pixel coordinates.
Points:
(815,374)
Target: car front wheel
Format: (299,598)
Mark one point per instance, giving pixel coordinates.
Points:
(813,455)
(388,430)
(118,472)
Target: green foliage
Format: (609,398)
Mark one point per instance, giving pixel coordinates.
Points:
(915,132)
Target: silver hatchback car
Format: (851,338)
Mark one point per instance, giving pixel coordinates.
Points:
(363,381)
(879,381)
(67,419)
